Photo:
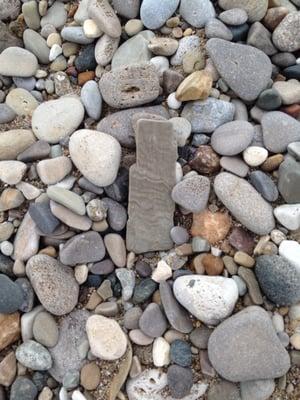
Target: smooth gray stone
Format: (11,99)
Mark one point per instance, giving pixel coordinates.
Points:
(116,214)
(257,390)
(28,294)
(253,350)
(37,151)
(215,28)
(238,196)
(75,34)
(37,45)
(234,16)
(256,9)
(289,180)
(197,12)
(6,114)
(56,15)
(223,390)
(261,38)
(67,354)
(23,388)
(119,124)
(25,83)
(269,100)
(176,314)
(245,69)
(89,186)
(235,165)
(185,46)
(127,8)
(11,295)
(179,235)
(153,322)
(92,100)
(154,14)
(279,130)
(83,248)
(206,115)
(284,60)
(43,217)
(152,178)
(294,150)
(264,185)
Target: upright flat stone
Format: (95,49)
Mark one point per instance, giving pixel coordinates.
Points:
(151,181)
(245,69)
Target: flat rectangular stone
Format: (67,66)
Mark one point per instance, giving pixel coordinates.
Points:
(151,180)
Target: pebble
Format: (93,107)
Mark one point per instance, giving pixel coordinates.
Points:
(75,34)
(116,249)
(127,280)
(279,130)
(105,17)
(53,120)
(258,353)
(72,346)
(192,193)
(67,198)
(139,338)
(264,185)
(127,8)
(207,115)
(133,27)
(197,12)
(10,9)
(56,16)
(36,151)
(45,330)
(21,102)
(7,114)
(234,16)
(252,285)
(180,381)
(144,290)
(37,45)
(13,142)
(186,45)
(54,170)
(82,150)
(34,356)
(255,9)
(289,91)
(180,353)
(106,338)
(154,15)
(290,250)
(53,283)
(278,279)
(91,29)
(241,77)
(92,100)
(269,100)
(105,49)
(240,203)
(68,217)
(108,309)
(260,389)
(235,165)
(210,299)
(153,322)
(15,61)
(288,215)
(90,376)
(86,60)
(176,315)
(163,46)
(161,352)
(232,138)
(260,37)
(286,36)
(211,226)
(196,86)
(215,28)
(12,172)
(23,388)
(178,234)
(10,329)
(8,369)
(162,272)
(114,86)
(11,295)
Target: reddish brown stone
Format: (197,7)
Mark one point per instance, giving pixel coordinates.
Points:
(205,161)
(213,265)
(292,110)
(9,329)
(274,16)
(72,71)
(241,240)
(83,77)
(211,226)
(272,163)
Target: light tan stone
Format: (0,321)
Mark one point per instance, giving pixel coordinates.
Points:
(196,86)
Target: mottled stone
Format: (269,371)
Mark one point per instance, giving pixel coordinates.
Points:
(104,16)
(256,9)
(26,243)
(286,36)
(144,220)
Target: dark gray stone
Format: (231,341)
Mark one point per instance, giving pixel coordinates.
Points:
(6,114)
(253,350)
(6,265)
(144,290)
(118,190)
(11,295)
(292,72)
(23,388)
(199,337)
(284,60)
(269,100)
(104,267)
(180,353)
(28,294)
(143,269)
(37,151)
(289,180)
(223,390)
(278,279)
(86,60)
(245,69)
(176,314)
(260,37)
(153,322)
(180,381)
(116,214)
(264,185)
(42,216)
(83,248)
(239,32)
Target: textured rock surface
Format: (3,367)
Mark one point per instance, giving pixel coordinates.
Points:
(152,178)
(256,9)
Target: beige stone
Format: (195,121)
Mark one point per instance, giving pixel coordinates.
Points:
(196,86)
(21,101)
(9,329)
(90,376)
(8,369)
(14,142)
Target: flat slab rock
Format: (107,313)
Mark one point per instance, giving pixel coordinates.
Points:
(239,196)
(151,384)
(252,351)
(130,86)
(245,69)
(151,180)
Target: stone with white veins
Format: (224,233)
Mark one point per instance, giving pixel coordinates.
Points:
(245,69)
(279,130)
(192,193)
(239,196)
(97,155)
(209,298)
(154,14)
(106,338)
(53,120)
(288,215)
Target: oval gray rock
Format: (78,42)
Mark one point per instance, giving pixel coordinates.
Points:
(130,86)
(286,36)
(256,9)
(239,197)
(15,61)
(154,14)
(197,12)
(53,283)
(37,45)
(34,356)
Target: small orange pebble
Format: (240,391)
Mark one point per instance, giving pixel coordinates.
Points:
(83,77)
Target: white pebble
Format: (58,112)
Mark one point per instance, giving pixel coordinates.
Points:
(55,51)
(288,215)
(81,273)
(161,64)
(278,322)
(178,172)
(215,251)
(290,249)
(162,272)
(161,352)
(90,29)
(63,394)
(6,248)
(255,155)
(173,102)
(277,236)
(294,312)
(76,395)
